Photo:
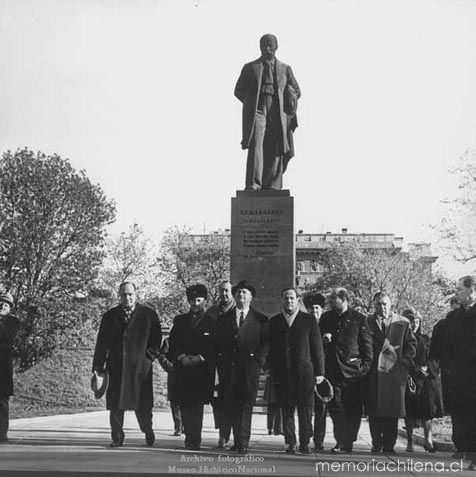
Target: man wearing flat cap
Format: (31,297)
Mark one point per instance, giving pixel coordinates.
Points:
(191,350)
(242,344)
(9,325)
(315,303)
(128,341)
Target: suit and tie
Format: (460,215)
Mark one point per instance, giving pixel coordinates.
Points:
(241,353)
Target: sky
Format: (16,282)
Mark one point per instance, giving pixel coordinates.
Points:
(139,94)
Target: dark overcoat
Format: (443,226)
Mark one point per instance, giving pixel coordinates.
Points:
(349,354)
(385,392)
(461,357)
(439,354)
(296,357)
(9,325)
(193,336)
(241,354)
(121,349)
(168,367)
(427,402)
(247,90)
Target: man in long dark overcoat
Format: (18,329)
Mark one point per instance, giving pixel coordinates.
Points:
(297,362)
(461,363)
(9,325)
(394,347)
(242,344)
(348,353)
(128,341)
(265,87)
(225,303)
(191,350)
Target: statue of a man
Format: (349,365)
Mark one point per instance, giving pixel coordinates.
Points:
(269,93)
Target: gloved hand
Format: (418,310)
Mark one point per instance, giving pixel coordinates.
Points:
(195,361)
(186,362)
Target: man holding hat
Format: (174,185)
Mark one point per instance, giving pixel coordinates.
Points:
(242,343)
(315,303)
(128,341)
(9,325)
(191,350)
(297,364)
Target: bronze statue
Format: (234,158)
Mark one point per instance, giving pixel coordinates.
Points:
(269,93)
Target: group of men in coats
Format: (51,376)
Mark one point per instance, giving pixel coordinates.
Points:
(216,356)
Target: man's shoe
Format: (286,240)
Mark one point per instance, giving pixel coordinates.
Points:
(150,439)
(4,440)
(388,450)
(457,455)
(304,449)
(410,447)
(116,444)
(177,433)
(270,432)
(242,449)
(376,449)
(234,448)
(221,443)
(195,447)
(341,450)
(290,449)
(318,447)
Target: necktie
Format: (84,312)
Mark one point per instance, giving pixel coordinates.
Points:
(242,318)
(382,323)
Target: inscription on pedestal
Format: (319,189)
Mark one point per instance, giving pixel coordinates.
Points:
(262,244)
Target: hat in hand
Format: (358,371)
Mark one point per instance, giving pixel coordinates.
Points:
(324,391)
(99,383)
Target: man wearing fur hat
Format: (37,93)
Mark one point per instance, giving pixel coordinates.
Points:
(9,325)
(128,341)
(242,343)
(191,350)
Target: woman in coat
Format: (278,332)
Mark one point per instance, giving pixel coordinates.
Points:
(423,397)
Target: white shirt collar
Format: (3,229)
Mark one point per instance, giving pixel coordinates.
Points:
(290,318)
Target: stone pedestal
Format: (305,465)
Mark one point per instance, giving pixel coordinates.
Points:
(263,244)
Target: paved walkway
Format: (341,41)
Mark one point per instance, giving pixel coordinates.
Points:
(78,444)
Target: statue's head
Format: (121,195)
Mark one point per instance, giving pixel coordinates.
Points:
(268,45)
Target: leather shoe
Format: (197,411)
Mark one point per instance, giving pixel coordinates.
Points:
(234,448)
(304,449)
(290,449)
(177,433)
(221,443)
(341,450)
(318,447)
(116,444)
(150,439)
(376,449)
(243,450)
(388,450)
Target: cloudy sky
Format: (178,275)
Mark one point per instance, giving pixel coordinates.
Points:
(139,93)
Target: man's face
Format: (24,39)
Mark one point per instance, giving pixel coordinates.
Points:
(383,305)
(268,47)
(315,311)
(290,301)
(224,292)
(464,294)
(243,298)
(5,308)
(197,304)
(128,296)
(338,304)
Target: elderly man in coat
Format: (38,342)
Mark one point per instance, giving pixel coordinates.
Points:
(9,325)
(192,352)
(348,352)
(297,363)
(269,93)
(242,345)
(128,341)
(394,347)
